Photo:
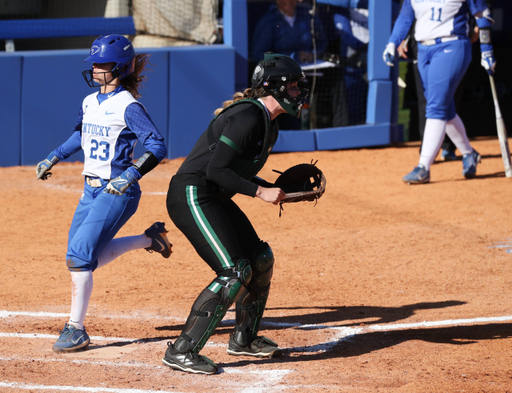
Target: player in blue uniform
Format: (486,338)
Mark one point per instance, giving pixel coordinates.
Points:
(109,124)
(444,54)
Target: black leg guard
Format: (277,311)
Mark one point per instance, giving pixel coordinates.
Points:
(211,306)
(251,305)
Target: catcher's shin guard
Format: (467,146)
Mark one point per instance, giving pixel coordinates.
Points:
(251,305)
(211,306)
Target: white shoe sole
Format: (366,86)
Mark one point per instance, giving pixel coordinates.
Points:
(276,353)
(186,369)
(73,349)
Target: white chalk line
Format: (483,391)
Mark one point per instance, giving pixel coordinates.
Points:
(43,314)
(267,379)
(505,244)
(342,333)
(89,362)
(29,386)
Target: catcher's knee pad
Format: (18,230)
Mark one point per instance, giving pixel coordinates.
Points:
(211,306)
(262,263)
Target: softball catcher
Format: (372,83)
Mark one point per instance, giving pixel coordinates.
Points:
(225,161)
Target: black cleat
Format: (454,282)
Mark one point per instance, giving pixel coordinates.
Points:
(189,362)
(261,347)
(159,242)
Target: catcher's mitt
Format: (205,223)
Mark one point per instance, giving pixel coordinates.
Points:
(303,182)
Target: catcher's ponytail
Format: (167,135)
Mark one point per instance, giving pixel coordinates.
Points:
(248,93)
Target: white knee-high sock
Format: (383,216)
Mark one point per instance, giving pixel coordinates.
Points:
(457,133)
(119,246)
(432,141)
(81,289)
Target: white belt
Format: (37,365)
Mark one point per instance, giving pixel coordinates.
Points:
(439,40)
(93,182)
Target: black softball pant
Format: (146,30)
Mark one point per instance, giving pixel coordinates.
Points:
(219,231)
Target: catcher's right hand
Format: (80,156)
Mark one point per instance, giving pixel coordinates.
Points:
(272,195)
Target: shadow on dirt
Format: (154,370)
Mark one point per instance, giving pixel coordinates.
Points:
(335,316)
(355,315)
(362,339)
(363,343)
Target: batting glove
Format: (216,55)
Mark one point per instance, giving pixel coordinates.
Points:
(44,166)
(119,185)
(488,60)
(389,54)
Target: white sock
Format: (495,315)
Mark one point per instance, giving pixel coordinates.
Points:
(457,133)
(432,141)
(81,289)
(118,247)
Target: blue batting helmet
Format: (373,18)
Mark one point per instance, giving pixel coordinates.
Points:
(114,48)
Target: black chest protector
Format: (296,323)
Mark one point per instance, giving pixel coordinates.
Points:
(248,168)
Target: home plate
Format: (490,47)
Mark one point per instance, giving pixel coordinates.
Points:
(105,351)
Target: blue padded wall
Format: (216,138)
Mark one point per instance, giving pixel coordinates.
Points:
(378,92)
(295,141)
(52,92)
(379,24)
(200,80)
(236,35)
(51,103)
(184,86)
(155,94)
(353,137)
(10,109)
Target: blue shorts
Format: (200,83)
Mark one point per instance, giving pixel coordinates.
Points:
(441,68)
(98,218)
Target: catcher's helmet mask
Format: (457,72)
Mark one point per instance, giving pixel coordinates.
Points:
(112,48)
(274,73)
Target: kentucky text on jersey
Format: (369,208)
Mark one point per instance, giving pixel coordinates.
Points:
(95,129)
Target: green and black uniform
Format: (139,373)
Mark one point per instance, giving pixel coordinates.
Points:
(223,162)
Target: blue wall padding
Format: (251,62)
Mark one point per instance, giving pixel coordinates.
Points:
(236,35)
(155,94)
(46,89)
(397,133)
(379,24)
(379,102)
(10,109)
(353,137)
(186,84)
(200,80)
(52,93)
(290,141)
(64,27)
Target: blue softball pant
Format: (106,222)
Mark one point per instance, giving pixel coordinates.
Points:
(98,217)
(441,68)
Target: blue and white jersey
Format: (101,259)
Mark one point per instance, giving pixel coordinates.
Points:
(435,18)
(102,124)
(108,127)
